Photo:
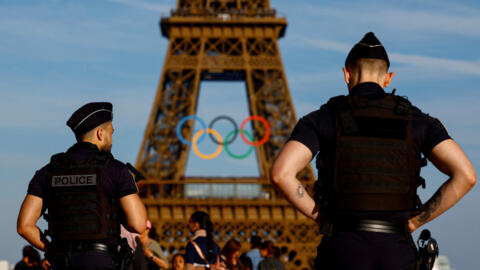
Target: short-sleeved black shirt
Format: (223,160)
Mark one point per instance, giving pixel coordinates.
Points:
(316,130)
(118,181)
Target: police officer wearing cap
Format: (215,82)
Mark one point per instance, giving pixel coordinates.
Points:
(84,194)
(368,147)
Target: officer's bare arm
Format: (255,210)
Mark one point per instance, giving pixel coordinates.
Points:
(135,212)
(30,212)
(449,158)
(291,160)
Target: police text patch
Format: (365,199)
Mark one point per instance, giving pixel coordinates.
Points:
(74,180)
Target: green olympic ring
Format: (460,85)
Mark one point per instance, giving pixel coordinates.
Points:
(235,132)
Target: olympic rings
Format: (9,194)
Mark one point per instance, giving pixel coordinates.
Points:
(216,138)
(194,144)
(235,132)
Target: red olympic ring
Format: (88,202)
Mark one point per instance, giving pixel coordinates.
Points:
(267,128)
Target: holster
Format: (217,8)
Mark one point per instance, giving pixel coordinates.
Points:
(59,260)
(125,255)
(427,252)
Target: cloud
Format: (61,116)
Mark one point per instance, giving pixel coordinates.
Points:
(9,161)
(457,66)
(94,33)
(458,114)
(423,18)
(419,61)
(144,5)
(329,45)
(35,110)
(50,35)
(315,77)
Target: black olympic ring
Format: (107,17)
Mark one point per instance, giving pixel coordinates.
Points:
(221,117)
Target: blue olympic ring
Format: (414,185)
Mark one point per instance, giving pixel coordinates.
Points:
(180,124)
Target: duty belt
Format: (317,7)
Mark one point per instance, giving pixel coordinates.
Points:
(366,225)
(83,247)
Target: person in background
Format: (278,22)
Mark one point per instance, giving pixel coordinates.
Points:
(201,252)
(45,264)
(277,252)
(231,253)
(245,261)
(151,249)
(178,262)
(30,259)
(269,261)
(254,253)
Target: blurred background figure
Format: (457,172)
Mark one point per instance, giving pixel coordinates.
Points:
(254,253)
(154,254)
(246,262)
(178,262)
(231,253)
(45,264)
(269,261)
(30,259)
(201,251)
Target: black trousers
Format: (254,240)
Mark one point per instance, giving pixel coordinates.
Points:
(365,251)
(82,260)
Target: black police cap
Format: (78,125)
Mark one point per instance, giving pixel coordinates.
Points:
(90,116)
(368,47)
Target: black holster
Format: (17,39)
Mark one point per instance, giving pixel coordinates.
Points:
(427,252)
(125,255)
(59,260)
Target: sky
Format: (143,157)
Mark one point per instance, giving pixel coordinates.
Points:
(56,55)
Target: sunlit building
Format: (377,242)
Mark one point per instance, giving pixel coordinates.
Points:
(442,263)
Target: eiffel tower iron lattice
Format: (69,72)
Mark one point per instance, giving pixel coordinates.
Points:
(227,40)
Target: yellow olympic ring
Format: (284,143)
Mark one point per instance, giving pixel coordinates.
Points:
(195,148)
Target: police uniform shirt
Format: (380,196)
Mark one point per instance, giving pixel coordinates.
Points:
(118,181)
(317,132)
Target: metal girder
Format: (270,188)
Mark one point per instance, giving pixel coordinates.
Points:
(231,40)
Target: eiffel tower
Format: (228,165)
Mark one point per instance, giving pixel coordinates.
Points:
(223,40)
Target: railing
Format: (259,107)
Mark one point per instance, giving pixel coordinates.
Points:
(210,188)
(224,14)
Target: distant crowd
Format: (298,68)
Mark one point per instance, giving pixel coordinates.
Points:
(201,252)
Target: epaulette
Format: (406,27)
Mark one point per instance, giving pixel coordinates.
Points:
(404,106)
(335,102)
(58,158)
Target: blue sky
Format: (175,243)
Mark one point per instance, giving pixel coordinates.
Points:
(56,55)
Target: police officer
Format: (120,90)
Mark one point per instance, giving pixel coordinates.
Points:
(87,194)
(369,146)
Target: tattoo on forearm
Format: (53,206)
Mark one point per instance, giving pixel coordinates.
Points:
(300,191)
(431,206)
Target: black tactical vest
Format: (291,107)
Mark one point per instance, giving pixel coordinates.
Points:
(375,166)
(78,209)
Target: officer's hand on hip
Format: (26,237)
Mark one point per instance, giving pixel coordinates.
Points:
(413,224)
